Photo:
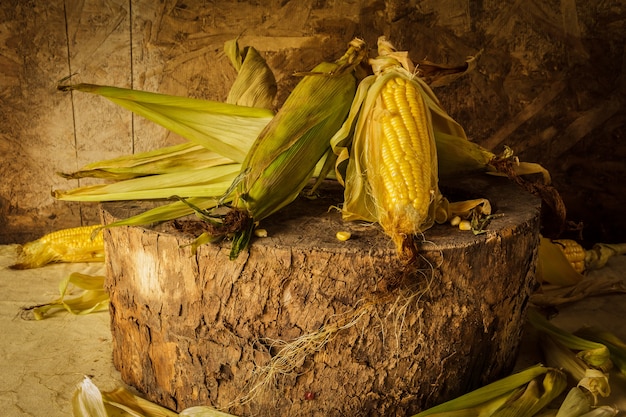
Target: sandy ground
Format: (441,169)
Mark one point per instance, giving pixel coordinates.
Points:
(42,361)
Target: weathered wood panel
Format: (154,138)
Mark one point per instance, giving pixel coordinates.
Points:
(550,83)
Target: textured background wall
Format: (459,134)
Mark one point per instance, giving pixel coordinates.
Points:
(550,83)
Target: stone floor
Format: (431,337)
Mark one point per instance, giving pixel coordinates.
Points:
(42,361)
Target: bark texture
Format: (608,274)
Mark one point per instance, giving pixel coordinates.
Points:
(200,329)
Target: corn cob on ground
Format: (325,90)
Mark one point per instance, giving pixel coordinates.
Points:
(77,244)
(574,253)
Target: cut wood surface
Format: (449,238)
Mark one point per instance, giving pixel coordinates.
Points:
(550,84)
(304,315)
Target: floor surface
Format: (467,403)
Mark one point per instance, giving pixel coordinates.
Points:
(42,361)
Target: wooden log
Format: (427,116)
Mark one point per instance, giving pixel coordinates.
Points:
(305,324)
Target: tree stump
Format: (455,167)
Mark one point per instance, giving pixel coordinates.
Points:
(304,324)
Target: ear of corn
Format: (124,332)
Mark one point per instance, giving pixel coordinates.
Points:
(391,176)
(553,267)
(283,158)
(574,253)
(77,244)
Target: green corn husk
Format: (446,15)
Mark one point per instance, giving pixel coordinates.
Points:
(575,404)
(592,353)
(501,396)
(203,182)
(616,346)
(283,158)
(229,128)
(595,381)
(559,356)
(171,159)
(220,127)
(91,299)
(255,85)
(604,411)
(199,121)
(535,396)
(578,404)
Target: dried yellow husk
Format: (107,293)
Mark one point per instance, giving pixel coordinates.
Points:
(89,401)
(92,298)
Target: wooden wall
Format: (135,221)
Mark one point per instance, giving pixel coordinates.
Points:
(550,83)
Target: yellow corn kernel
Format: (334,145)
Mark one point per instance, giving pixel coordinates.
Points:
(574,253)
(76,244)
(465,225)
(343,235)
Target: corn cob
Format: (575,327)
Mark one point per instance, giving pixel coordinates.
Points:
(574,253)
(284,156)
(404,152)
(77,244)
(391,175)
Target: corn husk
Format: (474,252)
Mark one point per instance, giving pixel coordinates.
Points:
(203,182)
(592,353)
(89,401)
(255,85)
(91,297)
(170,159)
(223,128)
(600,253)
(515,395)
(616,346)
(284,157)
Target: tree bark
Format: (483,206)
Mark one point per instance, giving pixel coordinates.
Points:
(316,324)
